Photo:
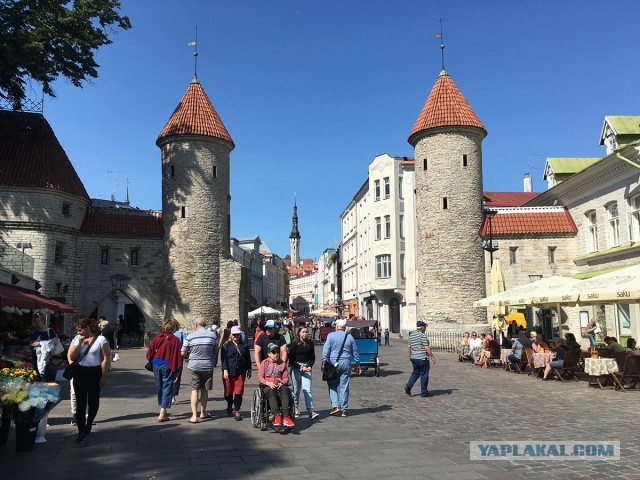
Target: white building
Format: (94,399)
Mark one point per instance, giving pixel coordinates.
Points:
(302,292)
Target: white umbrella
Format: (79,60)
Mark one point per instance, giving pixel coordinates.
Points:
(527,294)
(263,311)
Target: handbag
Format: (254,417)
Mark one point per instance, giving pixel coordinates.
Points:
(71,370)
(149,364)
(329,370)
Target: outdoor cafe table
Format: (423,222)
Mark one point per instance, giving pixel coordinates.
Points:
(602,368)
(541,360)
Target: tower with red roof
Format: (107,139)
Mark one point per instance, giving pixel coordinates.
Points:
(447,140)
(195,148)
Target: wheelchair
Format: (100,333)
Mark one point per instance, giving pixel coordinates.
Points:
(260,408)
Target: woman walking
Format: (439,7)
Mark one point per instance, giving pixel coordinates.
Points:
(236,366)
(164,354)
(301,359)
(91,352)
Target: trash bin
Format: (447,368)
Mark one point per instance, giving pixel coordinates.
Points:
(25,436)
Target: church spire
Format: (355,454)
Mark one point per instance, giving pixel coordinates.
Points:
(294,238)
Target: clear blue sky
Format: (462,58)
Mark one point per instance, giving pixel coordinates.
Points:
(311,91)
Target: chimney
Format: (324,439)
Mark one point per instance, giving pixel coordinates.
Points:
(527,182)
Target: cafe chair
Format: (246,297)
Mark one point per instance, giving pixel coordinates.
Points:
(569,366)
(521,366)
(620,359)
(630,374)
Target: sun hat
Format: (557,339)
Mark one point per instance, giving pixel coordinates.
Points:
(235,330)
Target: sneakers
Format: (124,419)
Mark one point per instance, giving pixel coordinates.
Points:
(80,438)
(277,422)
(74,420)
(313,415)
(334,411)
(345,413)
(237,416)
(485,366)
(288,422)
(229,411)
(407,390)
(297,413)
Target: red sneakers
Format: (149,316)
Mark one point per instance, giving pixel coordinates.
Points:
(277,421)
(288,422)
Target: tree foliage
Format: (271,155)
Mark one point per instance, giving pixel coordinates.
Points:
(45,39)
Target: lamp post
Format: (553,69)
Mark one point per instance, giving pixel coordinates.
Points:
(489,214)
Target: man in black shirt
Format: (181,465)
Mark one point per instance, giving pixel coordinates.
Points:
(270,335)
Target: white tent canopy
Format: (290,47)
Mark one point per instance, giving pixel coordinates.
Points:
(528,294)
(619,286)
(264,311)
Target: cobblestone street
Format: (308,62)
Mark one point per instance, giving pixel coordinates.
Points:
(387,435)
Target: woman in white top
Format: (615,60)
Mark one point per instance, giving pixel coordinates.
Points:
(91,351)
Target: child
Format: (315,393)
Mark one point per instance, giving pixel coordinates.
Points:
(386,337)
(272,373)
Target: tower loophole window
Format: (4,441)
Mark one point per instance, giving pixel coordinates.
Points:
(183,212)
(445,203)
(172,171)
(425,164)
(464,161)
(215,171)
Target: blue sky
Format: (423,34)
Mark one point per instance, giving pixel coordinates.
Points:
(311,91)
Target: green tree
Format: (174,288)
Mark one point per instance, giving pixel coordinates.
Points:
(45,39)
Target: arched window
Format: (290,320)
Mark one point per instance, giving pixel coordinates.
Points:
(591,233)
(613,224)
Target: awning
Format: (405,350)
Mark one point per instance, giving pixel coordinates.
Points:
(15,297)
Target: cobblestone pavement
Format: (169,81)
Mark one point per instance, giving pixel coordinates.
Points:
(388,434)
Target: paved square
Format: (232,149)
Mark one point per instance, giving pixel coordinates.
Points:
(387,435)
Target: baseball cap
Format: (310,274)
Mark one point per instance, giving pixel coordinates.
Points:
(420,324)
(235,330)
(270,324)
(272,347)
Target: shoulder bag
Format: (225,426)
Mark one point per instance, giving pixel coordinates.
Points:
(329,370)
(149,364)
(71,369)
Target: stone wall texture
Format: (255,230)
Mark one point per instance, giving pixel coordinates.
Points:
(194,244)
(235,291)
(450,256)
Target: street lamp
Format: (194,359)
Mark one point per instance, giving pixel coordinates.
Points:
(118,282)
(23,246)
(489,214)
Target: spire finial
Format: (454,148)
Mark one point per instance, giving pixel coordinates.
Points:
(194,44)
(294,199)
(441,37)
(126,199)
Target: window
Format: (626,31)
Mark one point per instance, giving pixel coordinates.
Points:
(387,187)
(66,208)
(383,266)
(183,212)
(57,258)
(424,164)
(376,190)
(552,255)
(445,203)
(513,259)
(402,271)
(634,221)
(215,171)
(401,225)
(171,171)
(400,194)
(614,225)
(592,231)
(464,161)
(133,257)
(104,256)
(378,228)
(387,226)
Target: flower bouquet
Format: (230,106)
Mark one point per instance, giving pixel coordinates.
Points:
(18,373)
(41,398)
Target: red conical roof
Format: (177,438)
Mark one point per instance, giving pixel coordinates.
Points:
(195,115)
(445,107)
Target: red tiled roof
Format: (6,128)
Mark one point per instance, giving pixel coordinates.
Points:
(508,199)
(445,107)
(32,157)
(527,221)
(118,224)
(195,115)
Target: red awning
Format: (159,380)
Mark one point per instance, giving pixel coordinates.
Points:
(14,297)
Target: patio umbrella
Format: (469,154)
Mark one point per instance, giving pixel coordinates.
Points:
(527,294)
(619,286)
(497,286)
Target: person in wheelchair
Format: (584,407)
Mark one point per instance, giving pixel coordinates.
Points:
(274,381)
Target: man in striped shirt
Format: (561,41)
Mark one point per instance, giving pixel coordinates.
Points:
(200,346)
(418,350)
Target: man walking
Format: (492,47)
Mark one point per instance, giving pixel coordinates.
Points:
(339,349)
(418,350)
(200,346)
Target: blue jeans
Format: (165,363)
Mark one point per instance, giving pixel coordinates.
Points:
(164,384)
(341,400)
(592,339)
(513,359)
(302,380)
(421,371)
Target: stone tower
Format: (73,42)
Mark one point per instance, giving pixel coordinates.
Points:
(447,139)
(195,148)
(295,236)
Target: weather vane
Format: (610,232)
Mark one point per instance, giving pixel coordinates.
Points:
(194,44)
(440,36)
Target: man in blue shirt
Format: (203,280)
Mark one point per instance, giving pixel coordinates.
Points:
(200,345)
(331,352)
(418,350)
